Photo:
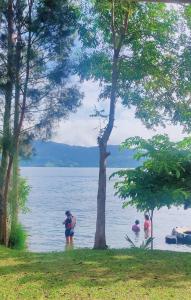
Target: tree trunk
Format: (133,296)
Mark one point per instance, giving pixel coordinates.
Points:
(14,199)
(19,113)
(4,170)
(15,147)
(5,220)
(3,215)
(100,238)
(152,230)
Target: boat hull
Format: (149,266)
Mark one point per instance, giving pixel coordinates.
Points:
(181,235)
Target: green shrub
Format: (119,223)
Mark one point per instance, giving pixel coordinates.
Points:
(144,245)
(23,193)
(18,238)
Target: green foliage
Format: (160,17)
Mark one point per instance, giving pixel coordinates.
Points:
(50,95)
(144,245)
(18,235)
(23,190)
(178,78)
(148,58)
(23,193)
(164,179)
(18,238)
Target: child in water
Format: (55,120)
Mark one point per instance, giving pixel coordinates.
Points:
(69,223)
(136,227)
(147,226)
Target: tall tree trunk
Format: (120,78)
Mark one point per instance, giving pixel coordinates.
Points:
(100,238)
(14,196)
(5,205)
(4,170)
(19,113)
(27,71)
(15,147)
(152,229)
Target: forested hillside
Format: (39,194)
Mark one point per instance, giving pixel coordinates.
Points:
(62,155)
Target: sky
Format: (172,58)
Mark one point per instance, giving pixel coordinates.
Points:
(81,129)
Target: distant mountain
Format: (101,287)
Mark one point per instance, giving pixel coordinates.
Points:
(51,154)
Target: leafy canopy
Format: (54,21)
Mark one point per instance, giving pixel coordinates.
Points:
(45,38)
(164,178)
(146,58)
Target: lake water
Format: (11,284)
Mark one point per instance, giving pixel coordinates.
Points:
(55,190)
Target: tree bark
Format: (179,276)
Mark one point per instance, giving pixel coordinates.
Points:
(5,225)
(6,128)
(28,59)
(15,146)
(14,195)
(100,237)
(152,229)
(19,114)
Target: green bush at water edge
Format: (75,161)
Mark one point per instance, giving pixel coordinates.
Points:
(18,238)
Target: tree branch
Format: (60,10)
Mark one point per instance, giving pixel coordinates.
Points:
(113,24)
(30,4)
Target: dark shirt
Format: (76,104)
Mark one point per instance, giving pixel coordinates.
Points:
(68,223)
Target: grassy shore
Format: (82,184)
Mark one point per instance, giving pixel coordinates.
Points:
(90,274)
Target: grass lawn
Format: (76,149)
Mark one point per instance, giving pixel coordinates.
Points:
(90,274)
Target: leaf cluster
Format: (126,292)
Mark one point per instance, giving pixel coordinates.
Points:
(51,32)
(144,245)
(146,55)
(155,60)
(164,178)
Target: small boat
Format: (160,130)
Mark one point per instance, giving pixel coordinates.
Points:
(180,235)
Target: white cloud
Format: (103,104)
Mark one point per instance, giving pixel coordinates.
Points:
(82,130)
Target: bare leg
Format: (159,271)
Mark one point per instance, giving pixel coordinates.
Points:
(71,242)
(67,245)
(146,234)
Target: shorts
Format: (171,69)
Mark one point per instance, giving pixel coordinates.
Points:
(69,232)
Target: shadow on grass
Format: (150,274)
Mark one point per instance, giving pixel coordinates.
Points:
(90,268)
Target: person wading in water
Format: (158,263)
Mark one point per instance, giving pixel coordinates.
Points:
(136,227)
(147,226)
(69,223)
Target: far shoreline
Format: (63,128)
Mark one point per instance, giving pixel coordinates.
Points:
(79,167)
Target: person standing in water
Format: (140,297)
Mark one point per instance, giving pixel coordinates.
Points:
(69,223)
(136,227)
(147,226)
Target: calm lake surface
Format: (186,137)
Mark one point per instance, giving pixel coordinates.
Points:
(55,190)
